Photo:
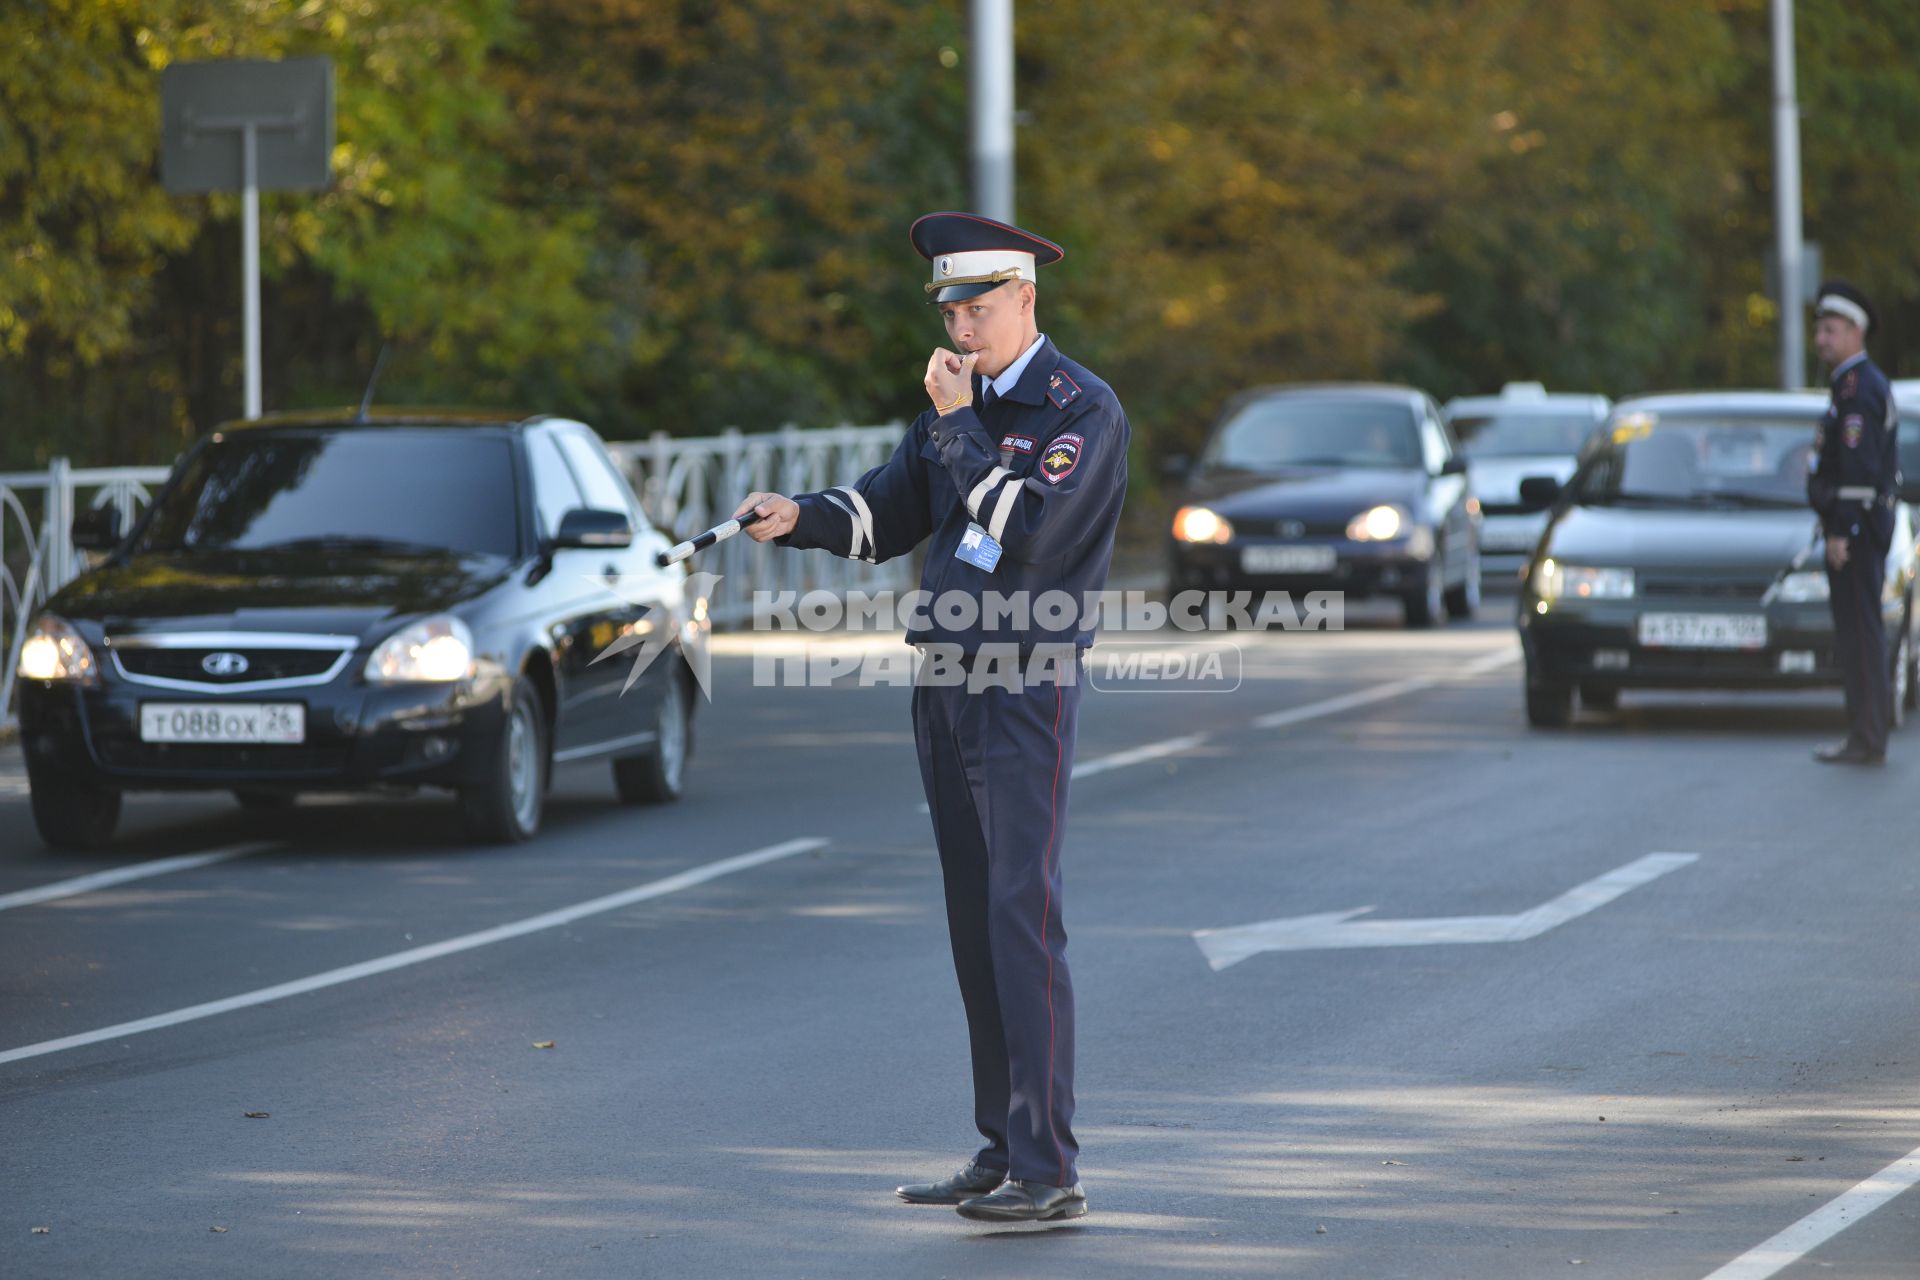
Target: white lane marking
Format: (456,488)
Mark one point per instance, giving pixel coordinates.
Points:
(1774,1255)
(433,951)
(120,875)
(1293,715)
(1382,692)
(1337,929)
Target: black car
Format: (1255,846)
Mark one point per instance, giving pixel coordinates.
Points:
(1682,555)
(407,599)
(1359,489)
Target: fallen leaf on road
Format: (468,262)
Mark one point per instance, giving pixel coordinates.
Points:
(256,1115)
(543,1044)
(1393,1162)
(1319,1231)
(1794,1159)
(219,1231)
(41,1231)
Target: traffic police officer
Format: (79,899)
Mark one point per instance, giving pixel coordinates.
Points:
(1851,485)
(1014,477)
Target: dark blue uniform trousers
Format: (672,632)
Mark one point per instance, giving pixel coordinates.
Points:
(1860,642)
(995,764)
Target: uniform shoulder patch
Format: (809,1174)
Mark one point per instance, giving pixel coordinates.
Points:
(1062,456)
(1062,389)
(1850,383)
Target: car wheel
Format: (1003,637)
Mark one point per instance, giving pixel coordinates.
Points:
(1549,704)
(265,801)
(1599,697)
(1464,600)
(506,808)
(659,776)
(1423,608)
(73,815)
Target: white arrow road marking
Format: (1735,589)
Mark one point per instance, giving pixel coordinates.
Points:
(1335,929)
(1770,1257)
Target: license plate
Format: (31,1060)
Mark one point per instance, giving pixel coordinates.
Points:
(1508,539)
(1703,631)
(283,722)
(1287,559)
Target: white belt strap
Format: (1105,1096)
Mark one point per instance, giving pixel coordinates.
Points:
(1004,508)
(1857,493)
(853,523)
(981,490)
(866,518)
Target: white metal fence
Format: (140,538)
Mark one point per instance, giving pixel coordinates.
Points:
(686,485)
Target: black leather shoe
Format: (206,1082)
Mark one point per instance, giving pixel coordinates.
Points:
(974,1180)
(1849,753)
(1019,1201)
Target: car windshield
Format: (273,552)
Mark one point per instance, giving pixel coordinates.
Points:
(1515,433)
(368,489)
(1272,434)
(1697,460)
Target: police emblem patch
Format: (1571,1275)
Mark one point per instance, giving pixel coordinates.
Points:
(1018,444)
(1855,427)
(1062,456)
(1062,389)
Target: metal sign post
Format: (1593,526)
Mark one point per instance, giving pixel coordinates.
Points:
(1786,195)
(992,94)
(281,116)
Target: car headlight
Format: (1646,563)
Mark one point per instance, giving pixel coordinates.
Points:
(1197,524)
(1553,581)
(1378,524)
(437,650)
(1804,586)
(53,650)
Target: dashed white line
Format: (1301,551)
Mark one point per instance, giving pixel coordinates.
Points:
(1776,1254)
(417,955)
(121,875)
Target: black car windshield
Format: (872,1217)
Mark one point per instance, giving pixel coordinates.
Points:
(1268,435)
(1515,433)
(375,489)
(1700,460)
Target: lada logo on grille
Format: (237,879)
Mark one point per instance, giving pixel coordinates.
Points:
(1292,529)
(224,664)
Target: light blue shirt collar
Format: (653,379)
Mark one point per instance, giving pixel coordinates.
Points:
(1010,376)
(1839,369)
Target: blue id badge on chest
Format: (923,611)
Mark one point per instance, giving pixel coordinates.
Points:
(978,549)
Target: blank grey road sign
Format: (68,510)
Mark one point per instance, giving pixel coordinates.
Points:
(206,106)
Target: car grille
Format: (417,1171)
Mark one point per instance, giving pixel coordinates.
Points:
(262,664)
(1291,528)
(1704,588)
(124,751)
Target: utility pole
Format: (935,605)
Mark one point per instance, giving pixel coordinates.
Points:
(1786,197)
(991,87)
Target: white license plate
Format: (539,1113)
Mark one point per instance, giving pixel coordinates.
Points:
(283,722)
(1703,631)
(1287,559)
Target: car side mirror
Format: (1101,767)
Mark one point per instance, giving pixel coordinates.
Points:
(1537,493)
(1454,466)
(1176,466)
(97,529)
(587,527)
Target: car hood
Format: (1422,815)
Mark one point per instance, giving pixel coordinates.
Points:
(1644,538)
(1497,480)
(358,595)
(1308,493)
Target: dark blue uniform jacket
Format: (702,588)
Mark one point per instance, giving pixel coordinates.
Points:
(1042,469)
(1856,448)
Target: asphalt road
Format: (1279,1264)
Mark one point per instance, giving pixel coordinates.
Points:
(743,1067)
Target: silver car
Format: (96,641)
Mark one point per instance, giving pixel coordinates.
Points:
(1524,431)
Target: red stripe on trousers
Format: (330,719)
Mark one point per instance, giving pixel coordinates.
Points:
(1046,913)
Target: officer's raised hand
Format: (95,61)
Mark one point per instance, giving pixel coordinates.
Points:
(949,380)
(778,515)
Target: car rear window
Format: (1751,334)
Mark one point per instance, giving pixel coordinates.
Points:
(1517,434)
(1289,432)
(379,488)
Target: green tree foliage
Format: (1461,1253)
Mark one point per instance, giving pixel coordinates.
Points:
(677,215)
